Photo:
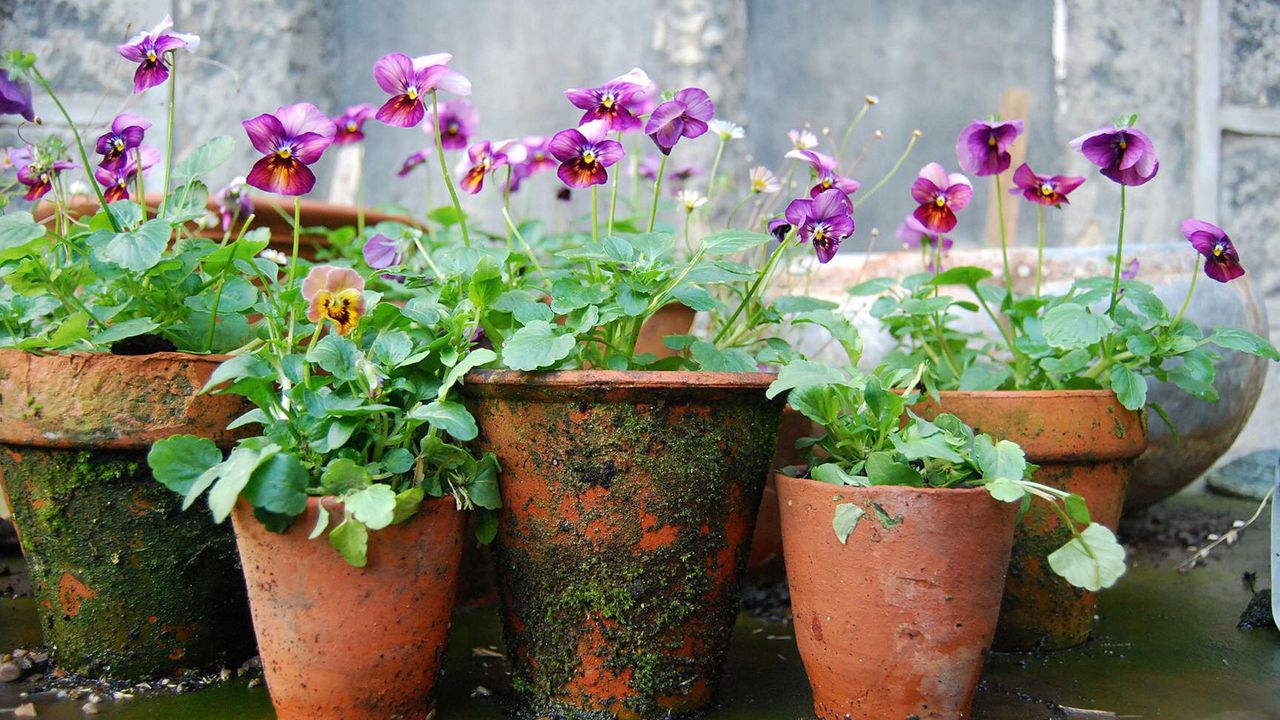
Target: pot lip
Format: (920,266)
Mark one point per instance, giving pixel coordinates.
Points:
(486,382)
(892,489)
(1026,394)
(164,356)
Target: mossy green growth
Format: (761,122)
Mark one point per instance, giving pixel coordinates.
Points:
(127,585)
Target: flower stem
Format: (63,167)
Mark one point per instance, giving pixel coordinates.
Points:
(657,188)
(595,212)
(736,208)
(1039,247)
(613,198)
(848,132)
(293,263)
(448,181)
(360,190)
(715,168)
(168,133)
(915,135)
(765,272)
(1115,281)
(1004,240)
(533,257)
(142,192)
(1186,302)
(84,156)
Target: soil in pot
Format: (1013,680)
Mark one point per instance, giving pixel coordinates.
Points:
(628,506)
(893,623)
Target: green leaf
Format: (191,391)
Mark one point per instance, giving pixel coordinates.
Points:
(138,250)
(407,504)
(374,506)
(124,329)
(17,231)
(569,294)
(237,368)
(473,359)
(351,540)
(882,469)
(728,242)
(1077,508)
(322,522)
(483,488)
(1072,362)
(803,373)
(486,283)
(398,461)
(1244,341)
(1070,326)
(1130,387)
(877,286)
(1093,564)
(983,375)
(336,355)
(73,329)
(791,304)
(206,158)
(178,461)
(1004,460)
(964,275)
(1006,490)
(244,250)
(446,215)
(535,346)
(448,416)
(343,475)
(696,298)
(713,359)
(234,475)
(846,519)
(392,347)
(834,474)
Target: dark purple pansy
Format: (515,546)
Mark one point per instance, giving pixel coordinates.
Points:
(414,161)
(1125,155)
(779,228)
(458,120)
(940,195)
(116,144)
(824,172)
(1221,262)
(291,139)
(824,220)
(685,115)
(619,103)
(39,177)
(484,158)
(148,50)
(584,152)
(983,147)
(350,124)
(15,97)
(233,203)
(116,181)
(409,80)
(1046,190)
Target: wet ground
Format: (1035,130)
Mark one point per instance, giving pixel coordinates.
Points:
(1166,646)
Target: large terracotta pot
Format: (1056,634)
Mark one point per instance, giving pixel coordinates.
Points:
(126,584)
(344,643)
(893,624)
(628,505)
(1083,441)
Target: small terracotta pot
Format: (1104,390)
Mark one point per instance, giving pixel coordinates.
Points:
(766,562)
(1084,442)
(344,643)
(126,584)
(893,624)
(628,505)
(671,319)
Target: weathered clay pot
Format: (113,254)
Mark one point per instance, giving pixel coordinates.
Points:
(1085,442)
(893,624)
(127,585)
(628,505)
(671,319)
(766,561)
(344,643)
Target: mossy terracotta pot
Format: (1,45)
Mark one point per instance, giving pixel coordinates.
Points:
(127,585)
(344,643)
(1084,442)
(629,500)
(893,623)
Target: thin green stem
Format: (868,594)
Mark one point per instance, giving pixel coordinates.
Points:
(848,132)
(293,264)
(595,215)
(1186,302)
(736,208)
(168,133)
(1004,240)
(715,168)
(84,156)
(1039,247)
(915,135)
(613,198)
(142,191)
(1115,280)
(533,257)
(506,204)
(657,188)
(217,295)
(360,190)
(448,181)
(767,271)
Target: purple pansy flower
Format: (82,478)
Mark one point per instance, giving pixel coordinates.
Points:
(537,159)
(1126,155)
(824,220)
(916,236)
(779,228)
(15,97)
(350,124)
(824,170)
(291,139)
(484,158)
(115,181)
(1221,261)
(1046,190)
(458,120)
(1131,271)
(233,203)
(409,79)
(148,49)
(381,252)
(15,157)
(584,152)
(983,147)
(118,143)
(619,102)
(686,115)
(39,177)
(940,195)
(414,161)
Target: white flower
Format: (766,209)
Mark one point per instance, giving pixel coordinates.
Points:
(274,256)
(803,139)
(691,199)
(763,180)
(727,130)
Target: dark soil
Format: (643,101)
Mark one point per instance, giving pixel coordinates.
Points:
(143,345)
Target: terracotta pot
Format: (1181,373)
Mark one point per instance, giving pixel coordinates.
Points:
(126,584)
(766,561)
(893,624)
(672,319)
(628,504)
(1085,442)
(344,643)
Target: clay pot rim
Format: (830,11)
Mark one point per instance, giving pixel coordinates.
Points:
(1028,394)
(334,503)
(489,383)
(163,356)
(891,489)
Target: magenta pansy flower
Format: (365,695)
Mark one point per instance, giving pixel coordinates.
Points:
(335,294)
(824,170)
(1126,155)
(115,181)
(1221,261)
(584,153)
(350,124)
(1046,190)
(484,158)
(125,134)
(291,139)
(619,103)
(39,178)
(824,220)
(915,235)
(414,161)
(15,97)
(458,120)
(148,50)
(940,195)
(983,147)
(409,80)
(686,115)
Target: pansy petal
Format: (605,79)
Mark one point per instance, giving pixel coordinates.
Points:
(341,278)
(149,75)
(400,111)
(937,219)
(265,132)
(1223,270)
(132,50)
(936,174)
(609,152)
(1024,178)
(315,281)
(167,42)
(424,61)
(304,117)
(697,104)
(693,127)
(577,174)
(924,190)
(308,147)
(123,121)
(278,175)
(393,72)
(565,144)
(959,195)
(473,181)
(799,211)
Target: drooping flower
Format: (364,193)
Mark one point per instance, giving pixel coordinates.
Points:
(148,50)
(291,139)
(824,172)
(779,228)
(802,139)
(15,97)
(115,182)
(335,294)
(940,195)
(1131,270)
(458,120)
(915,235)
(726,130)
(619,103)
(233,203)
(119,142)
(409,80)
(1125,154)
(584,152)
(350,124)
(983,146)
(381,252)
(39,177)
(685,115)
(824,220)
(414,161)
(763,180)
(691,200)
(1046,190)
(484,158)
(1221,261)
